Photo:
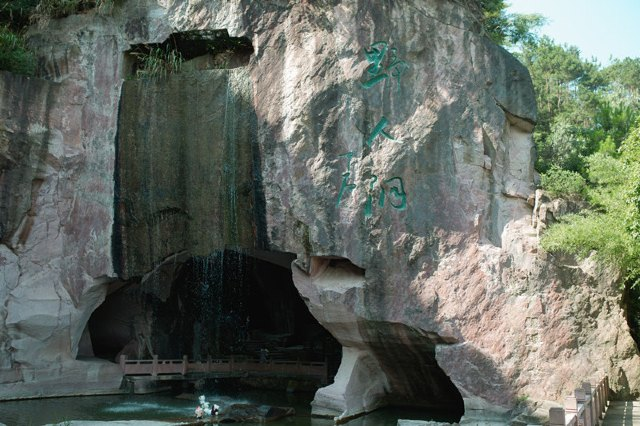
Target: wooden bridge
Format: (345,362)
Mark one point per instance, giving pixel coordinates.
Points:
(230,367)
(590,406)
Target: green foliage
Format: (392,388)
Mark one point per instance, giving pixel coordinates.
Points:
(509,29)
(625,72)
(15,16)
(607,146)
(158,63)
(16,13)
(559,182)
(580,234)
(563,146)
(612,119)
(563,82)
(14,55)
(611,227)
(629,155)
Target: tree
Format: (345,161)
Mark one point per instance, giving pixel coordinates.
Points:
(509,29)
(564,146)
(587,140)
(625,72)
(560,77)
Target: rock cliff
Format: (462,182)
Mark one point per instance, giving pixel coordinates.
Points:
(390,149)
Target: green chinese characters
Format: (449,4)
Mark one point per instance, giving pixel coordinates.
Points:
(384,65)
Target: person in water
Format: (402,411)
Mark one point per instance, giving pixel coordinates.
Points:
(199,412)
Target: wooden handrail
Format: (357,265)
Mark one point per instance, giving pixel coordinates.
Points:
(156,366)
(585,407)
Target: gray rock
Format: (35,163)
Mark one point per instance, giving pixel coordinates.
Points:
(242,412)
(403,422)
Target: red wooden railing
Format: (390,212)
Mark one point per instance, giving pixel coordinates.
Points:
(229,365)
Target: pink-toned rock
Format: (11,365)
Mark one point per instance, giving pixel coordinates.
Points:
(395,159)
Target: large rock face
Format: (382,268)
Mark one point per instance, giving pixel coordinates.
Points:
(394,157)
(57,210)
(185,167)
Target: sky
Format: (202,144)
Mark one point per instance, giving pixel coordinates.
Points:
(599,28)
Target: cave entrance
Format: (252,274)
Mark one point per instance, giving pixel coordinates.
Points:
(228,303)
(384,362)
(408,358)
(117,326)
(187,51)
(234,302)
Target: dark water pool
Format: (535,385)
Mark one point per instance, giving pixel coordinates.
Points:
(166,407)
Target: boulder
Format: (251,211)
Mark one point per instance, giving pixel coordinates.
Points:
(248,413)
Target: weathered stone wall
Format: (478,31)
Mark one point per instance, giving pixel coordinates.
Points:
(391,136)
(421,174)
(57,211)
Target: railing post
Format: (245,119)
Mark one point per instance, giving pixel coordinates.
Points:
(607,390)
(209,363)
(597,399)
(590,402)
(123,362)
(602,399)
(557,416)
(154,365)
(572,407)
(184,365)
(583,413)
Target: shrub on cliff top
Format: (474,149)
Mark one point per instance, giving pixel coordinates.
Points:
(16,13)
(559,182)
(14,55)
(611,227)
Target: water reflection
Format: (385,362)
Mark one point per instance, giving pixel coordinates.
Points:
(167,407)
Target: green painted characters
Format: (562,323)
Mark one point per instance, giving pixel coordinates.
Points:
(384,65)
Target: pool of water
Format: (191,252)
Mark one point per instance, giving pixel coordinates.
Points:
(167,407)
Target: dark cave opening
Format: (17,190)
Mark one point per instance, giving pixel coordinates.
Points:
(189,51)
(406,355)
(227,303)
(117,325)
(415,378)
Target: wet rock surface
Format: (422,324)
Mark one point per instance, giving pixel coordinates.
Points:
(244,412)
